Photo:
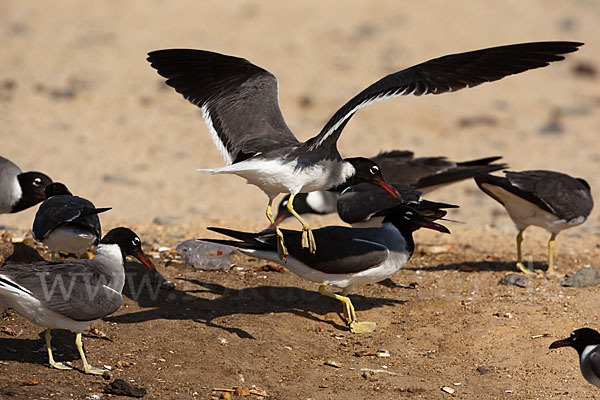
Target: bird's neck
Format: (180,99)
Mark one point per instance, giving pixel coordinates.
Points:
(111,262)
(345,177)
(407,234)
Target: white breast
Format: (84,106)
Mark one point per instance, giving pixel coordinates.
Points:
(69,239)
(274,177)
(523,213)
(586,367)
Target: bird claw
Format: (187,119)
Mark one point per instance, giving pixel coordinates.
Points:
(61,365)
(88,369)
(308,240)
(281,249)
(524,270)
(362,327)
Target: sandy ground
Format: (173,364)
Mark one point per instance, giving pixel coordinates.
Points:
(80,103)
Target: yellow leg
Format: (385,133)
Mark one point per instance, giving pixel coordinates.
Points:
(281,250)
(308,240)
(53,364)
(520,265)
(551,254)
(349,313)
(86,367)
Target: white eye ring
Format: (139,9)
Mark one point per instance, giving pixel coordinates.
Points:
(136,241)
(37,182)
(408,215)
(374,169)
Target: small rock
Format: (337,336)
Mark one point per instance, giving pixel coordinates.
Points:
(107,375)
(383,353)
(514,280)
(225,396)
(30,382)
(484,369)
(120,387)
(448,389)
(241,391)
(332,363)
(586,276)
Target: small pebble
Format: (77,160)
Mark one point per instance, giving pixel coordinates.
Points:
(514,280)
(332,363)
(484,369)
(448,389)
(586,276)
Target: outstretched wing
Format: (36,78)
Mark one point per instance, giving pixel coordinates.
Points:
(448,74)
(239,100)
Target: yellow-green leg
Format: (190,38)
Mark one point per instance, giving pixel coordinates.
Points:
(551,254)
(349,313)
(86,367)
(308,239)
(281,250)
(520,265)
(53,364)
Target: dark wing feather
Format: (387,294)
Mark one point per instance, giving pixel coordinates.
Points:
(74,289)
(341,249)
(567,198)
(448,74)
(63,209)
(458,173)
(239,100)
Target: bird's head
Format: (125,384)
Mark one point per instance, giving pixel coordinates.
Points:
(57,189)
(361,169)
(129,243)
(579,339)
(33,185)
(407,219)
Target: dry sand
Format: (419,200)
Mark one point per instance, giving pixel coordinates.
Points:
(80,103)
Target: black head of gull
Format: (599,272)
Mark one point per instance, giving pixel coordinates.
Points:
(548,199)
(71,294)
(347,256)
(363,205)
(20,190)
(587,343)
(66,223)
(239,103)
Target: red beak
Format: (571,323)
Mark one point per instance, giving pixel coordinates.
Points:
(388,188)
(144,260)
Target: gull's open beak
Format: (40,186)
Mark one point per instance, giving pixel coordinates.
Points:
(425,223)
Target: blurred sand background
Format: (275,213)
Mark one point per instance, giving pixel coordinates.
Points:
(80,102)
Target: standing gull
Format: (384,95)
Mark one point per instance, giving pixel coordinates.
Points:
(348,257)
(72,294)
(548,199)
(239,102)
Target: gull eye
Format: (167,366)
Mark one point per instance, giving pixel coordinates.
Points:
(374,170)
(284,203)
(37,182)
(408,215)
(136,241)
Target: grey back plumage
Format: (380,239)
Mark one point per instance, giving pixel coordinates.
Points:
(80,290)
